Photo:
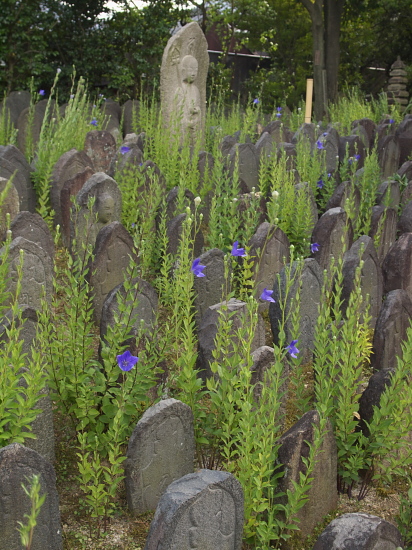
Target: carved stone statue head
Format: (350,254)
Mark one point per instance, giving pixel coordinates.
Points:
(105,208)
(189,68)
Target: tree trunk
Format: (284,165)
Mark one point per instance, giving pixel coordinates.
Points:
(315,10)
(333,14)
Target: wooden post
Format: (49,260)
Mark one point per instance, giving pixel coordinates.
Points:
(309,94)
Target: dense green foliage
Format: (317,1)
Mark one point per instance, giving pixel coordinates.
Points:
(112,53)
(238,423)
(120,53)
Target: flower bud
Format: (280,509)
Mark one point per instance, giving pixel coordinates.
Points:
(197,201)
(275,194)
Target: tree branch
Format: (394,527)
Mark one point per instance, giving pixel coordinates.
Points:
(308,5)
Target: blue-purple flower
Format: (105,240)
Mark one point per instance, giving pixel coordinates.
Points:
(319,144)
(320,184)
(355,158)
(292,349)
(42,92)
(126,361)
(391,121)
(279,111)
(197,268)
(255,101)
(236,251)
(93,122)
(314,247)
(267,295)
(124,149)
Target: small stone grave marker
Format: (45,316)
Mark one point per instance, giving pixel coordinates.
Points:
(310,280)
(164,431)
(331,145)
(405,219)
(11,159)
(113,252)
(10,205)
(397,265)
(388,154)
(371,276)
(37,272)
(360,532)
(328,233)
(14,104)
(244,155)
(323,494)
(383,227)
(107,208)
(390,331)
(17,466)
(131,106)
(273,245)
(371,397)
(209,290)
(100,147)
(203,510)
(174,230)
(39,114)
(370,127)
(144,300)
(68,166)
(33,228)
(388,194)
(209,326)
(70,188)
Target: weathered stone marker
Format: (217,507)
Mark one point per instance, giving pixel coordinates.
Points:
(201,511)
(183,81)
(390,330)
(310,280)
(37,272)
(113,251)
(161,450)
(323,494)
(209,290)
(17,463)
(236,310)
(360,532)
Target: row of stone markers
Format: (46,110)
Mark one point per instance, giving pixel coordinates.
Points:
(394,142)
(202,509)
(114,247)
(100,154)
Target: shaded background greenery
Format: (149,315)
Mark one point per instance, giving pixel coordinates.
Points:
(120,54)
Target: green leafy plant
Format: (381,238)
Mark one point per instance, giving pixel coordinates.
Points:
(26,529)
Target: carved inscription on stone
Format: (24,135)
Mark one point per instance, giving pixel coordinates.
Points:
(208,524)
